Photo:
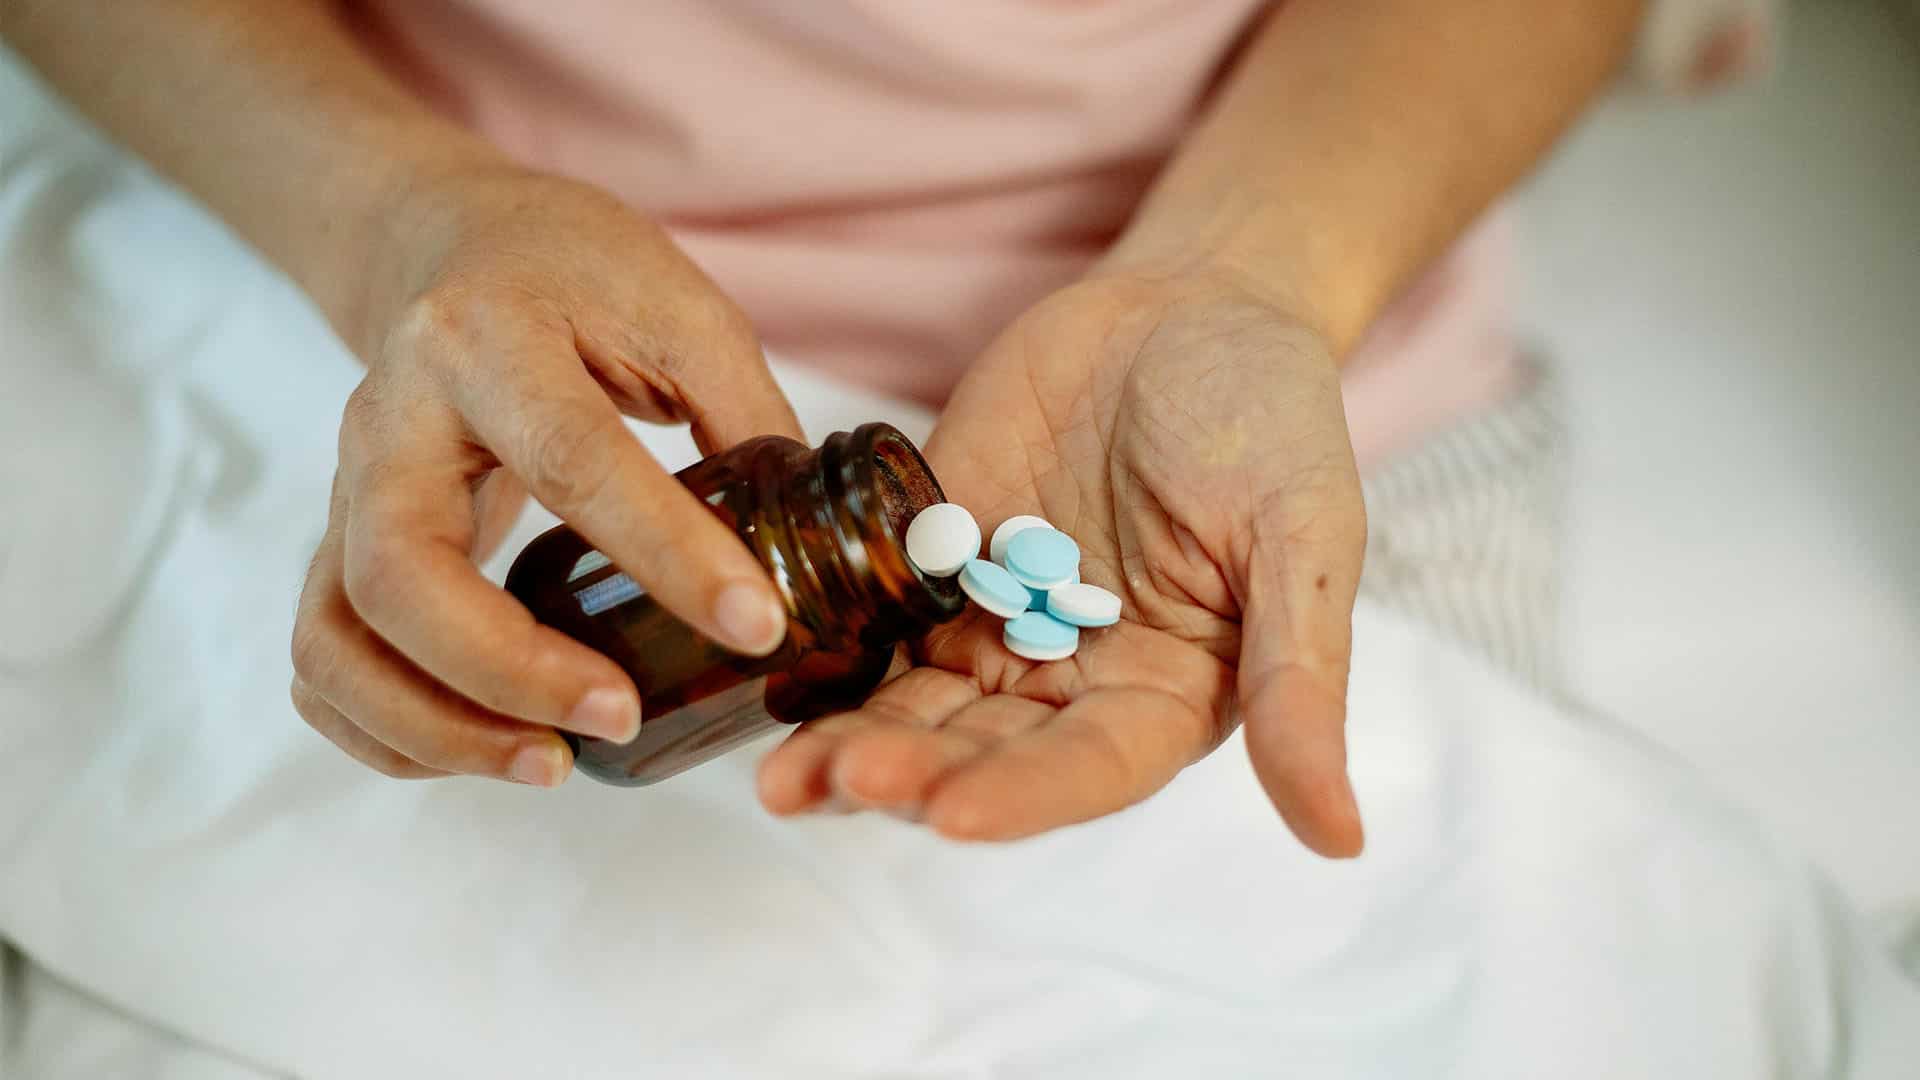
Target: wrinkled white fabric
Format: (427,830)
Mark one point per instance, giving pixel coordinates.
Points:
(1544,894)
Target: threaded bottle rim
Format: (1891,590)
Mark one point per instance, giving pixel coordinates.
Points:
(878,482)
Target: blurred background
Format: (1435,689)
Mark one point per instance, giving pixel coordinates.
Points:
(1732,288)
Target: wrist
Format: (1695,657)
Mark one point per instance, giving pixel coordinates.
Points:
(1258,251)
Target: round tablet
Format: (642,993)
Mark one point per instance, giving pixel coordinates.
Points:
(1039,636)
(993,588)
(1083,605)
(997,547)
(1037,598)
(1042,558)
(942,538)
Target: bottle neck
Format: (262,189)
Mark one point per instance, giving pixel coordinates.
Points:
(848,573)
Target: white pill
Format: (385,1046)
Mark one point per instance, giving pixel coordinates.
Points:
(1083,605)
(1037,598)
(1039,654)
(997,547)
(942,538)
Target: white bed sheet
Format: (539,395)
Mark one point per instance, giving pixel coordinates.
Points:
(1728,289)
(49,1030)
(1544,894)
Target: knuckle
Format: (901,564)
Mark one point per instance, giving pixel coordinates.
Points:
(498,760)
(312,657)
(567,464)
(359,424)
(374,572)
(450,749)
(305,701)
(439,332)
(518,685)
(441,316)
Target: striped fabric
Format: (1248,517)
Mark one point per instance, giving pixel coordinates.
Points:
(1464,533)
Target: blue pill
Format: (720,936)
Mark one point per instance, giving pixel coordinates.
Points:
(1039,636)
(1037,598)
(993,588)
(1043,558)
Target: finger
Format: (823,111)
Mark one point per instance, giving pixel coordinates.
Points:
(406,572)
(359,745)
(730,394)
(323,580)
(1295,735)
(497,504)
(549,422)
(903,745)
(693,356)
(792,778)
(898,768)
(799,774)
(1107,750)
(360,676)
(1296,647)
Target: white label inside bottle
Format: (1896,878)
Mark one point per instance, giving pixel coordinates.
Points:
(587,564)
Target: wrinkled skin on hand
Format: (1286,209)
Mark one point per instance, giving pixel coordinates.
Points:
(518,319)
(1191,437)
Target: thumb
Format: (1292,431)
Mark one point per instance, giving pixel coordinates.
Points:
(1295,648)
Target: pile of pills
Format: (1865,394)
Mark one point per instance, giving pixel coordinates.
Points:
(1031,577)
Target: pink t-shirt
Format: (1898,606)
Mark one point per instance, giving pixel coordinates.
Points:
(884,184)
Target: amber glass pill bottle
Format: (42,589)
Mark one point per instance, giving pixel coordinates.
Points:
(829,525)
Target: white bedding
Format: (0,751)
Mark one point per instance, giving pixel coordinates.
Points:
(1544,894)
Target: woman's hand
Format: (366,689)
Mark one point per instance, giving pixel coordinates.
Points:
(1191,437)
(517,318)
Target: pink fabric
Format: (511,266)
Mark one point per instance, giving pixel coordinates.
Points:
(1443,351)
(884,184)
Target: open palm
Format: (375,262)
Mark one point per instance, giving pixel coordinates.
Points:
(1191,438)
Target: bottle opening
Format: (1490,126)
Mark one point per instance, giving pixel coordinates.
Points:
(903,485)
(906,486)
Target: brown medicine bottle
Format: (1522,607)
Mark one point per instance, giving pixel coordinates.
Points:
(829,525)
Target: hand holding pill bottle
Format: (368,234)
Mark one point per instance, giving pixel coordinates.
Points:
(832,527)
(504,339)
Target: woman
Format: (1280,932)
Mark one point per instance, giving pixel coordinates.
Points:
(1129,245)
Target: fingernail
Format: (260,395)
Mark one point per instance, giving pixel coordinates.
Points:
(607,713)
(749,619)
(541,766)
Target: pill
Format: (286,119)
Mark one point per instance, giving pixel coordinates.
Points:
(1083,605)
(993,588)
(997,547)
(1037,598)
(1039,636)
(942,538)
(1042,558)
